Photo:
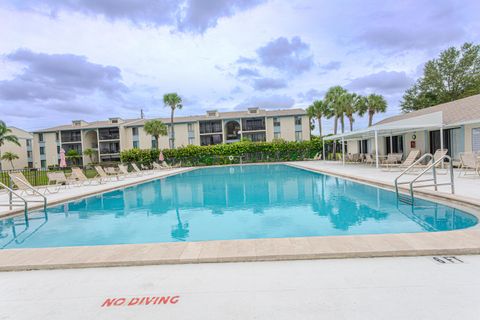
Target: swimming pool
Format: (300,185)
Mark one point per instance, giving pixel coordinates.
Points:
(230,202)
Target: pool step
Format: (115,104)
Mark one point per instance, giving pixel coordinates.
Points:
(405,199)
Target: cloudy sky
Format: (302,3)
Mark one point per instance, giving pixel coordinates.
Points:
(94,59)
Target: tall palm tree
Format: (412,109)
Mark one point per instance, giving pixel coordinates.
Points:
(10,156)
(317,110)
(374,103)
(6,136)
(155,128)
(352,103)
(333,99)
(173,101)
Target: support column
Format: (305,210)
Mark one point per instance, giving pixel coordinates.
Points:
(343,150)
(441,141)
(323,149)
(376,150)
(391,144)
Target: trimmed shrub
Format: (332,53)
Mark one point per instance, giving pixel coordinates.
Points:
(193,155)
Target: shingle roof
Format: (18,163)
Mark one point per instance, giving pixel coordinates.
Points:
(455,112)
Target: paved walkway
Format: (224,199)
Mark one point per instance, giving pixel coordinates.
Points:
(465,186)
(379,288)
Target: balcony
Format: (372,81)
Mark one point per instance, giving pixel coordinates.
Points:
(255,124)
(108,134)
(71,136)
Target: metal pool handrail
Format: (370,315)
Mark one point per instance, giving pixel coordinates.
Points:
(11,203)
(35,191)
(408,169)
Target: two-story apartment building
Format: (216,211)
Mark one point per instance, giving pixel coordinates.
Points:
(108,138)
(23,151)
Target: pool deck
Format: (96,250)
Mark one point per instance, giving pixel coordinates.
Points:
(457,242)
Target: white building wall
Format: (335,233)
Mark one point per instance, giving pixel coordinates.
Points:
(20,151)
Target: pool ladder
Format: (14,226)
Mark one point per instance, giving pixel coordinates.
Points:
(432,164)
(21,201)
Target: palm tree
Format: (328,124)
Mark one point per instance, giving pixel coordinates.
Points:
(173,101)
(155,128)
(317,110)
(10,156)
(89,153)
(333,99)
(335,107)
(73,155)
(6,136)
(374,103)
(353,103)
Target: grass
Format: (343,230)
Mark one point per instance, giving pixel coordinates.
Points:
(39,178)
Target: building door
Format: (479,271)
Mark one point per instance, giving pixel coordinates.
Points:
(435,142)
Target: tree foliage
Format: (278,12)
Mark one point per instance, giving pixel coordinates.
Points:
(455,74)
(155,128)
(174,101)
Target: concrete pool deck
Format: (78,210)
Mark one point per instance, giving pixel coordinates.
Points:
(380,288)
(465,241)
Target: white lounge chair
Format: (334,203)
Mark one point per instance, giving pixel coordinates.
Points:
(140,172)
(124,169)
(58,178)
(409,160)
(25,187)
(78,175)
(114,173)
(469,162)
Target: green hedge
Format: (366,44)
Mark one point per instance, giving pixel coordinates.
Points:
(222,153)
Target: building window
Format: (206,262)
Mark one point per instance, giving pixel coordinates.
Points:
(43,163)
(154,144)
(135,131)
(58,149)
(29,154)
(211,139)
(71,136)
(210,126)
(253,124)
(276,122)
(190,127)
(476,139)
(276,135)
(30,164)
(108,134)
(29,142)
(40,137)
(191,140)
(397,146)
(255,137)
(57,136)
(298,136)
(298,121)
(135,144)
(42,150)
(109,147)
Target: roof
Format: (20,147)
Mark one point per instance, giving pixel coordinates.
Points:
(89,125)
(454,112)
(458,112)
(227,115)
(141,122)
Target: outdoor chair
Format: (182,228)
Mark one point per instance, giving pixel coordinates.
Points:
(58,178)
(469,162)
(104,175)
(369,159)
(140,172)
(124,170)
(78,175)
(114,173)
(409,160)
(25,187)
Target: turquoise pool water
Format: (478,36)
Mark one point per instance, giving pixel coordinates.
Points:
(237,202)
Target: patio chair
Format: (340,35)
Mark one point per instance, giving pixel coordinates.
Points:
(104,175)
(79,176)
(58,178)
(114,173)
(469,161)
(124,170)
(409,160)
(140,172)
(25,187)
(157,166)
(369,159)
(318,156)
(166,165)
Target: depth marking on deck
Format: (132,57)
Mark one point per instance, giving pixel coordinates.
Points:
(447,260)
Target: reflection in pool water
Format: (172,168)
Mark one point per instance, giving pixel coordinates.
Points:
(240,202)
